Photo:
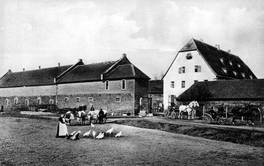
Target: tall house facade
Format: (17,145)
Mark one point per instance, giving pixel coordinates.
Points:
(196,62)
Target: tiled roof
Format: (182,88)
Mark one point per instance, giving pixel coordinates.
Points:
(32,77)
(73,73)
(224,64)
(225,90)
(156,87)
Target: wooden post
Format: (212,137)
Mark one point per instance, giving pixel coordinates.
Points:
(203,110)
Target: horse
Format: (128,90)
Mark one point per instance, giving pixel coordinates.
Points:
(189,109)
(94,115)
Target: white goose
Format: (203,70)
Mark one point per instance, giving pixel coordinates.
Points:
(87,134)
(94,133)
(110,131)
(92,125)
(119,134)
(100,136)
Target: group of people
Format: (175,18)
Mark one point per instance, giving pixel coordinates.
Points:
(82,115)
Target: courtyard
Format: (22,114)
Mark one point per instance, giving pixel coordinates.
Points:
(26,141)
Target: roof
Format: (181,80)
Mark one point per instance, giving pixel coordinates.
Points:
(120,69)
(225,90)
(224,64)
(156,87)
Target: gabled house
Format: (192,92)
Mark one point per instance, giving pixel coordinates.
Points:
(115,85)
(199,61)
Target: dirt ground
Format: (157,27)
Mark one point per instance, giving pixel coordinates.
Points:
(26,141)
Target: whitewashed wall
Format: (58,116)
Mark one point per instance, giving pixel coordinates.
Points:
(189,76)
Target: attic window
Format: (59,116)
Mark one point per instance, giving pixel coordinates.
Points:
(224,70)
(189,56)
(222,60)
(238,65)
(251,77)
(230,63)
(181,70)
(235,73)
(243,75)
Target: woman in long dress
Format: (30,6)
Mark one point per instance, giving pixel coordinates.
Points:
(62,130)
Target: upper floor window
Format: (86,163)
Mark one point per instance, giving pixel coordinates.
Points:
(181,69)
(39,100)
(197,68)
(235,73)
(189,56)
(123,84)
(230,63)
(15,100)
(172,84)
(183,84)
(78,99)
(106,85)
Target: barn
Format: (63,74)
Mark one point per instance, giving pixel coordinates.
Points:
(228,95)
(116,86)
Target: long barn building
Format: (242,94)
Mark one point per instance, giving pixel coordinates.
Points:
(115,85)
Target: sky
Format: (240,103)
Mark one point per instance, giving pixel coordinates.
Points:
(44,32)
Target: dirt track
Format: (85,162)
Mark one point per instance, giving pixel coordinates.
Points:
(33,142)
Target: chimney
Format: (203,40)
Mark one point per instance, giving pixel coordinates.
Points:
(59,64)
(80,60)
(9,71)
(229,51)
(124,55)
(24,69)
(39,67)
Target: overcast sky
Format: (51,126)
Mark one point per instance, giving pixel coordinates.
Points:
(44,32)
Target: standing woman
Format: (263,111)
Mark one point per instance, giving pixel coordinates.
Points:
(62,130)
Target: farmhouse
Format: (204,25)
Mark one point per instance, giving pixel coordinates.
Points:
(198,61)
(115,85)
(228,94)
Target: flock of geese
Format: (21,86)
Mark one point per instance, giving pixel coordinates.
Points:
(93,134)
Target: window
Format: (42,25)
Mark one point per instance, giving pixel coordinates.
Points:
(123,84)
(78,99)
(183,84)
(235,73)
(51,101)
(181,69)
(195,81)
(118,99)
(189,56)
(15,100)
(243,75)
(224,70)
(197,68)
(222,60)
(106,85)
(7,102)
(90,99)
(26,102)
(230,63)
(66,99)
(238,65)
(172,84)
(39,100)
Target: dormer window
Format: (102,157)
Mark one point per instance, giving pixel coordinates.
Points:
(224,70)
(251,77)
(231,64)
(238,65)
(235,73)
(189,56)
(222,60)
(243,75)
